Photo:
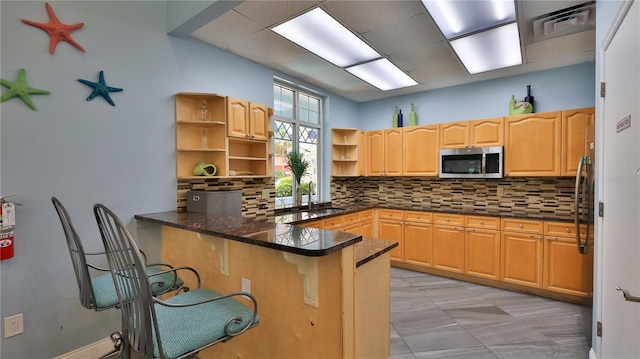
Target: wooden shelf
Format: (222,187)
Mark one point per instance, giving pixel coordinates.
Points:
(247,158)
(202,123)
(346,150)
(201,149)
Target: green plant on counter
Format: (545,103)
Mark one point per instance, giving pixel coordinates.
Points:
(298,165)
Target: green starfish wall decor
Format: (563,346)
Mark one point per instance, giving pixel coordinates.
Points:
(20,89)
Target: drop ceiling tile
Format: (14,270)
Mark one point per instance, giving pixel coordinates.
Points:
(561,46)
(340,80)
(363,16)
(414,33)
(269,13)
(556,62)
(304,65)
(267,48)
(508,71)
(439,71)
(226,30)
(529,9)
(423,56)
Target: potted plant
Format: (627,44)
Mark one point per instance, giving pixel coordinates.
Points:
(299,166)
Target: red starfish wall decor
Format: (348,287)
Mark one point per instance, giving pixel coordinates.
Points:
(57,30)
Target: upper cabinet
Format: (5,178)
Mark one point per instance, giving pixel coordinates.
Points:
(347,152)
(203,126)
(533,144)
(247,120)
(574,126)
(476,133)
(420,155)
(384,150)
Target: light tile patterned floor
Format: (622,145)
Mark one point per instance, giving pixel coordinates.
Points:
(435,317)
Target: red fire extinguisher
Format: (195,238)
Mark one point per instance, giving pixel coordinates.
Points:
(7,222)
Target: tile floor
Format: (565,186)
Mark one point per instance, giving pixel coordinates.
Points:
(435,317)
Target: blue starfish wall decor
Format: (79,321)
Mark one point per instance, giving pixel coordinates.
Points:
(20,89)
(101,89)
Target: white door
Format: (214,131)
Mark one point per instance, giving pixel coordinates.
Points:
(621,192)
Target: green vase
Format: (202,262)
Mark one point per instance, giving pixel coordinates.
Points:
(395,117)
(413,119)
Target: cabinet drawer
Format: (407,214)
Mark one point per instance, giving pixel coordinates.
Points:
(448,219)
(351,218)
(563,229)
(332,223)
(521,225)
(482,222)
(366,215)
(390,214)
(419,217)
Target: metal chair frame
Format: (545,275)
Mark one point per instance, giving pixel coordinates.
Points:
(138,305)
(82,268)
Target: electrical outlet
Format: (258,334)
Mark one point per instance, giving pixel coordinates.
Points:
(265,194)
(13,325)
(500,191)
(380,188)
(246,285)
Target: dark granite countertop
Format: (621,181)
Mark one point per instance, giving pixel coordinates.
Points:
(304,216)
(305,241)
(370,248)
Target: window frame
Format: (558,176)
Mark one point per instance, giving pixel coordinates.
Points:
(296,123)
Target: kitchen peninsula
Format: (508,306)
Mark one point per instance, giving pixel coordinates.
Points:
(321,293)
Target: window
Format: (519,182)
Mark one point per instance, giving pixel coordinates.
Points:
(296,127)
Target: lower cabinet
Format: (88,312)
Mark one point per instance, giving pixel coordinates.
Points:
(522,259)
(448,242)
(482,253)
(418,238)
(565,269)
(393,230)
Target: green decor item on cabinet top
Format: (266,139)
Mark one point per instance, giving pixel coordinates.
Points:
(395,117)
(413,118)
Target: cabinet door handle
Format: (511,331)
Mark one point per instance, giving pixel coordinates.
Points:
(568,230)
(246,135)
(481,222)
(546,238)
(521,226)
(447,219)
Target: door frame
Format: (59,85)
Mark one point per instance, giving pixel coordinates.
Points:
(621,13)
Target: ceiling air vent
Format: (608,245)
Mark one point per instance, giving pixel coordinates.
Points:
(562,22)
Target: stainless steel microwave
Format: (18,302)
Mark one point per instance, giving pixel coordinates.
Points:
(479,162)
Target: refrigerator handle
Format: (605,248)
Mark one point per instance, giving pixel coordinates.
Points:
(582,248)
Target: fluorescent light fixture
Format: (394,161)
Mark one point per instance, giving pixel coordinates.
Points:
(457,18)
(382,74)
(490,50)
(321,34)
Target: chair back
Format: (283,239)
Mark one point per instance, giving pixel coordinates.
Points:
(78,258)
(130,279)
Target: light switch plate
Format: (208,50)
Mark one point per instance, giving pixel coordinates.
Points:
(265,194)
(380,188)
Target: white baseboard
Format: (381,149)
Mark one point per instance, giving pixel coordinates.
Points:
(91,351)
(592,354)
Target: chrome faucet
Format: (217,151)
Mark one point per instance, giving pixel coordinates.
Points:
(311,193)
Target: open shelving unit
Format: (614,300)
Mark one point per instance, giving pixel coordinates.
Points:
(201,136)
(346,149)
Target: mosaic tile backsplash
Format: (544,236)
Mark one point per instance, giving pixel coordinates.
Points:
(253,205)
(544,197)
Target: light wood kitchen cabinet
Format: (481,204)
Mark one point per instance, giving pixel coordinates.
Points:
(362,153)
(476,133)
(574,126)
(199,140)
(384,148)
(246,120)
(366,223)
(420,150)
(418,238)
(333,223)
(346,152)
(521,249)
(448,242)
(391,226)
(533,144)
(482,247)
(565,269)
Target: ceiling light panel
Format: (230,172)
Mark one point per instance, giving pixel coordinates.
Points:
(490,50)
(321,34)
(460,17)
(382,74)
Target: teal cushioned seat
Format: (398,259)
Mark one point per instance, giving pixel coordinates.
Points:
(187,328)
(105,291)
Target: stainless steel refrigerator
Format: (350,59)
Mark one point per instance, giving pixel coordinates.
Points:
(584,211)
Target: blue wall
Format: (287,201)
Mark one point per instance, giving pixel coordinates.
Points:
(557,89)
(85,152)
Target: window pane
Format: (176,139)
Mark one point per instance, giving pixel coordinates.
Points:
(308,142)
(283,101)
(303,101)
(283,144)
